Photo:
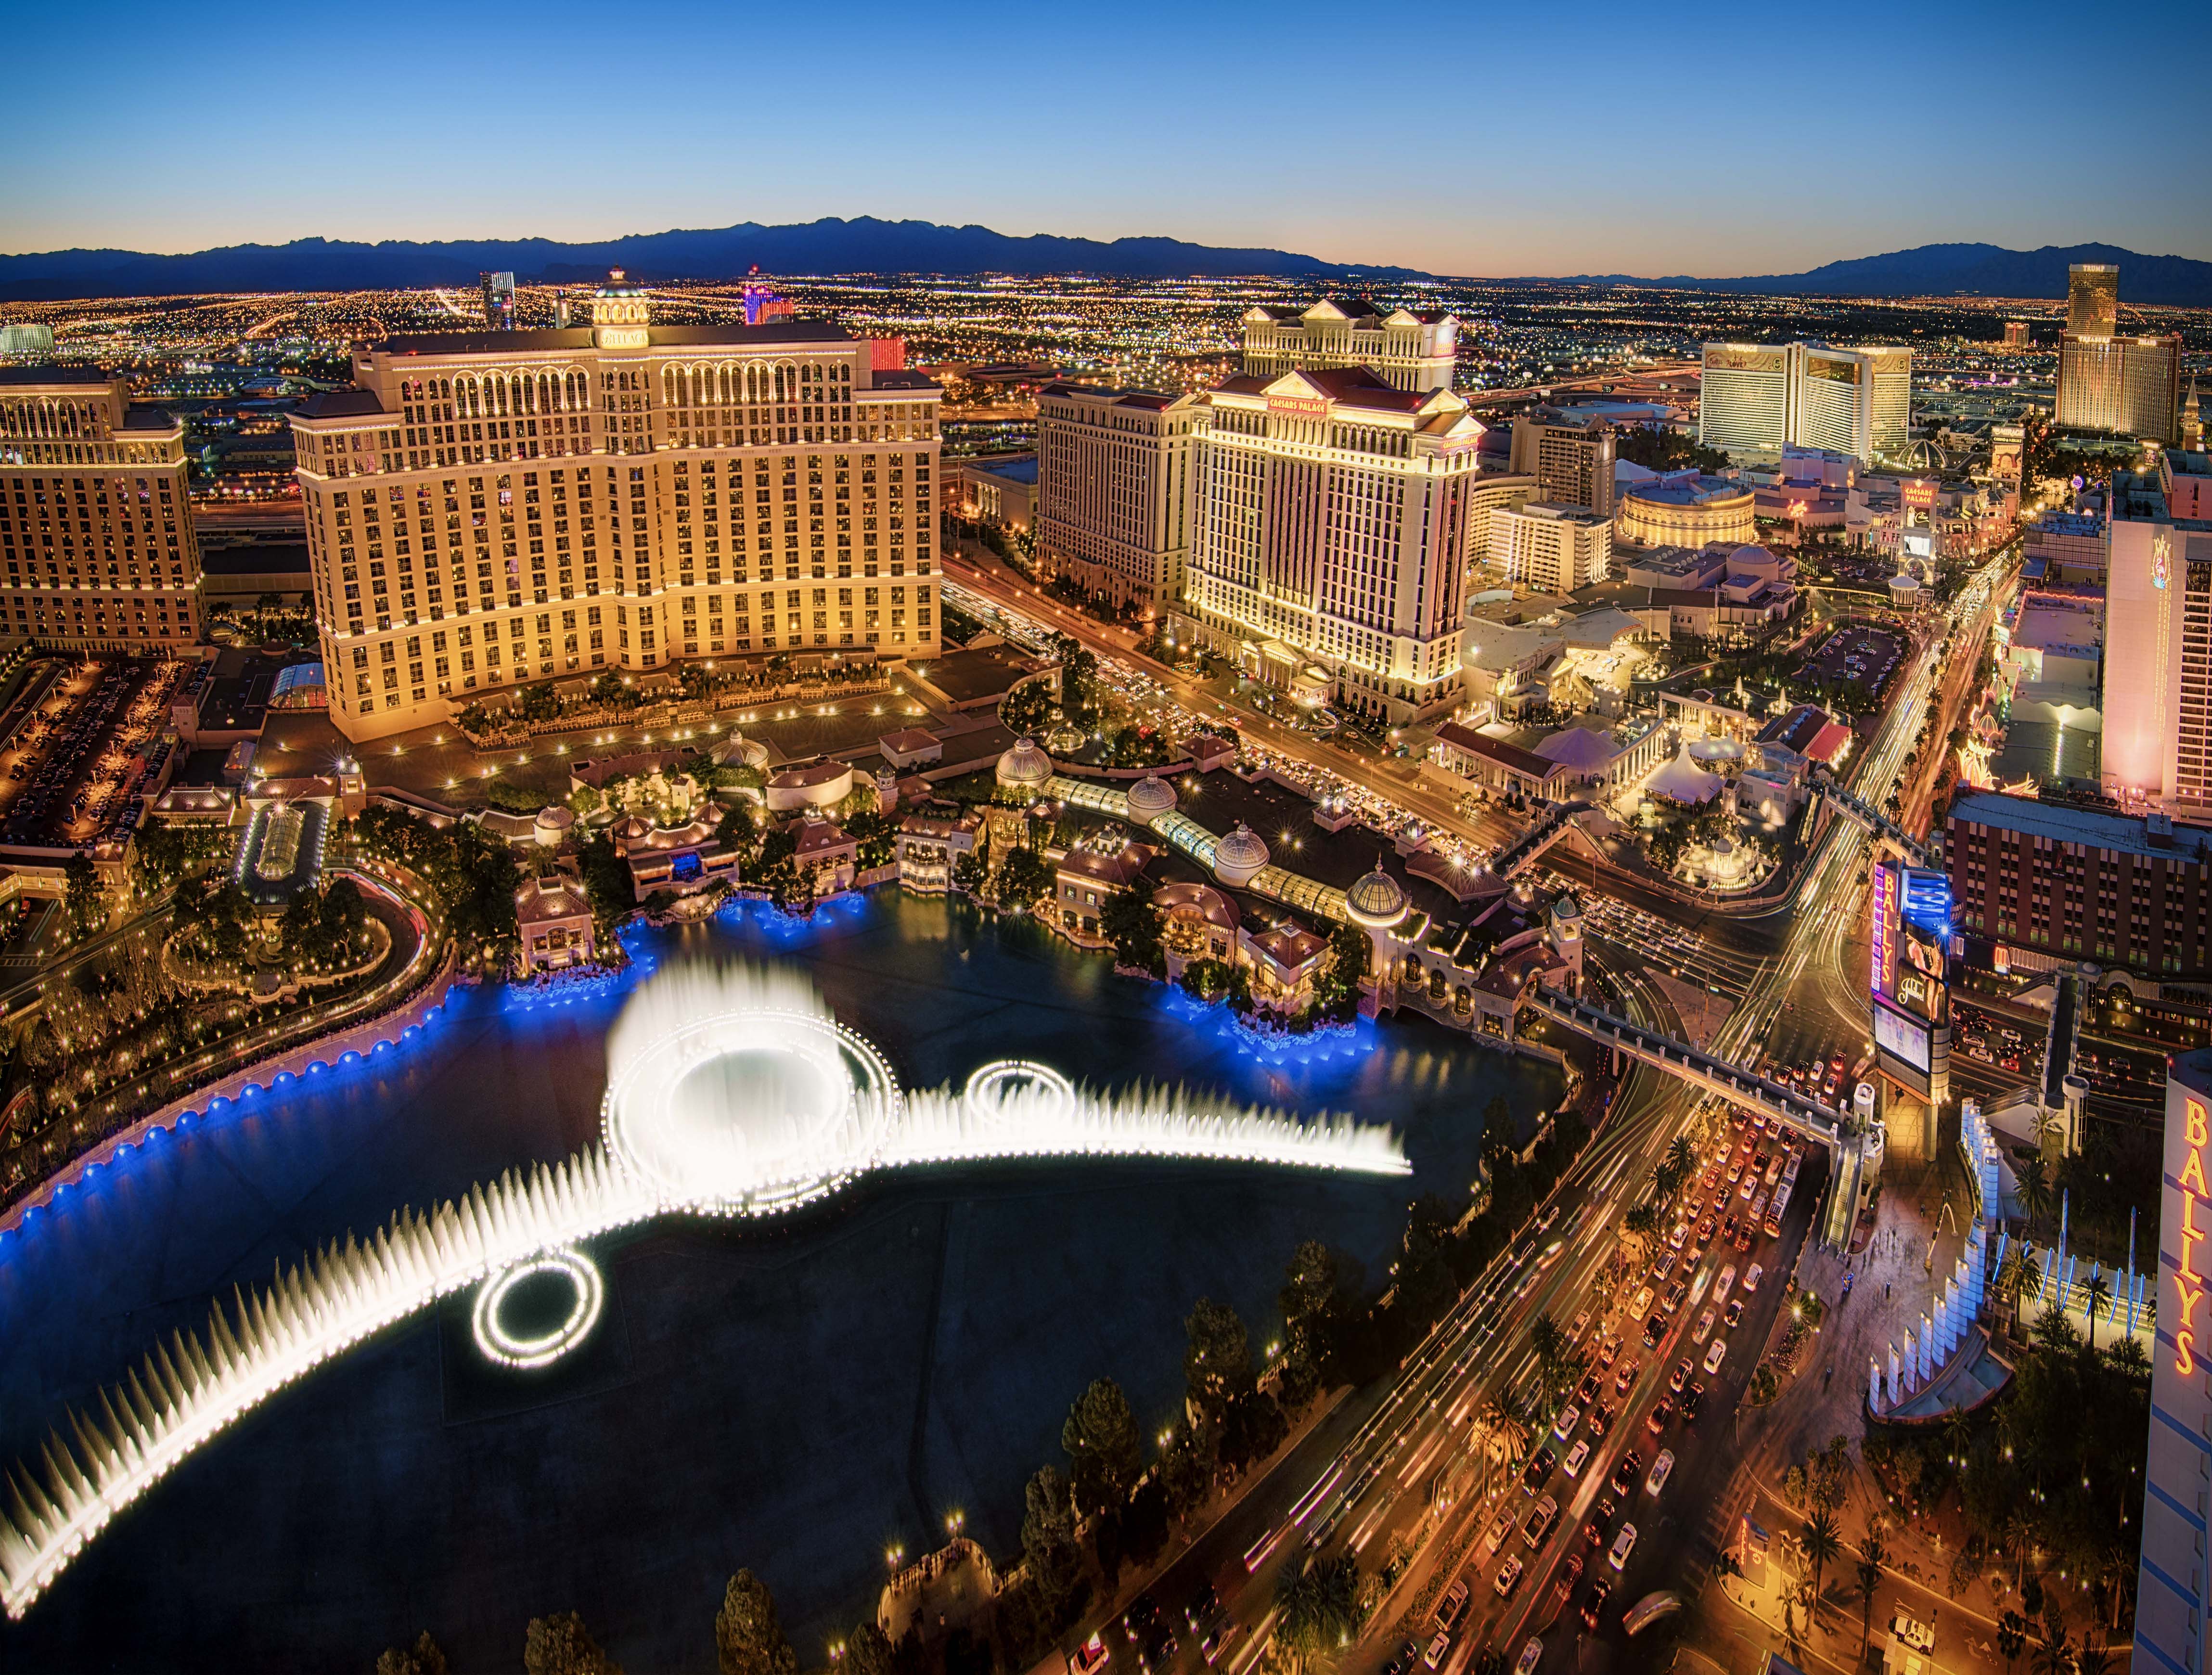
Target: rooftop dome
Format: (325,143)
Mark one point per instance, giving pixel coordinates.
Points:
(1149,798)
(1376,901)
(1024,765)
(748,752)
(1751,553)
(1239,856)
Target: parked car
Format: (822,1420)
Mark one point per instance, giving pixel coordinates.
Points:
(1624,1544)
(1576,1456)
(1716,1354)
(1509,1576)
(1594,1602)
(1090,1657)
(1661,1469)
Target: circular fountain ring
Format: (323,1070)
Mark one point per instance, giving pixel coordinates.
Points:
(495,1342)
(750,1112)
(1044,1091)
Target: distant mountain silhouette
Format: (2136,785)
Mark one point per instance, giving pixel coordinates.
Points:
(826,246)
(1963,270)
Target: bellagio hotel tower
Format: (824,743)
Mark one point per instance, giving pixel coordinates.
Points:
(489,510)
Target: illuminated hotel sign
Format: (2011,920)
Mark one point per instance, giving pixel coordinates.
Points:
(1885,928)
(2161,559)
(1919,493)
(1298,406)
(2196,1223)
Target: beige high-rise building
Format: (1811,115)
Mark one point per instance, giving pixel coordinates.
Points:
(1550,548)
(96,522)
(1406,350)
(1571,460)
(1757,399)
(489,510)
(2129,386)
(1115,469)
(2092,299)
(1334,529)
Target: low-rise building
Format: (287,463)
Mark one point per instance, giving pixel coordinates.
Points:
(1001,491)
(2070,545)
(929,847)
(830,852)
(553,925)
(1084,882)
(1555,549)
(1684,508)
(1478,762)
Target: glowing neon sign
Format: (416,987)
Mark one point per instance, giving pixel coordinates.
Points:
(2194,1194)
(1884,923)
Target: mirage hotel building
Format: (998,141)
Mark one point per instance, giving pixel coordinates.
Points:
(486,509)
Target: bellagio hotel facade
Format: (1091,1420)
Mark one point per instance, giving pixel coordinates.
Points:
(95,523)
(491,509)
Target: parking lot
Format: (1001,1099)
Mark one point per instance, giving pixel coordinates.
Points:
(1853,653)
(72,766)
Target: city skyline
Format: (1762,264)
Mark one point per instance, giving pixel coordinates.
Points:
(441,152)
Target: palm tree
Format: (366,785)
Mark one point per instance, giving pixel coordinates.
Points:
(1872,1555)
(2092,1659)
(1317,1610)
(2006,1283)
(1640,1224)
(2100,1294)
(1822,1543)
(2116,1566)
(2056,1655)
(2035,1186)
(2012,1638)
(1681,1157)
(1558,1363)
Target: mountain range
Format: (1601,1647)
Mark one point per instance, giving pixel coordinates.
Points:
(828,246)
(870,246)
(1963,270)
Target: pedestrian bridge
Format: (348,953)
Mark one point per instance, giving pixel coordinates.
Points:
(1517,857)
(1691,1064)
(1875,822)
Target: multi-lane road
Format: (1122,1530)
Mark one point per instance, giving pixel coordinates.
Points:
(1396,1458)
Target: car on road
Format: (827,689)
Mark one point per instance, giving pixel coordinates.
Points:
(1733,1314)
(1500,1527)
(1538,1530)
(1586,1392)
(1142,1616)
(1654,1329)
(1576,1456)
(1158,1650)
(1703,1330)
(1218,1638)
(1626,1376)
(1662,1411)
(1452,1605)
(1434,1657)
(1600,1421)
(1509,1576)
(1624,1544)
(1594,1535)
(1580,1325)
(1642,1304)
(1625,1474)
(1204,1607)
(1661,1469)
(1693,1399)
(1571,1572)
(1531,1655)
(1594,1602)
(1716,1354)
(1729,1226)
(1563,1426)
(1751,1277)
(1611,1353)
(1090,1657)
(1539,1470)
(1725,1283)
(1403,1660)
(1680,1376)
(1675,1293)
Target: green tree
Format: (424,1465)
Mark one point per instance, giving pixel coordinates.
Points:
(1872,1556)
(1313,1301)
(562,1645)
(82,894)
(1048,1538)
(1130,920)
(1023,877)
(1101,1441)
(2056,1655)
(1337,988)
(422,1658)
(1027,710)
(748,1640)
(1217,1361)
(607,880)
(1559,1362)
(868,1652)
(875,834)
(1317,1610)
(737,831)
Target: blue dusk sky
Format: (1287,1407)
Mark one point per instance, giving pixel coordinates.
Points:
(1717,139)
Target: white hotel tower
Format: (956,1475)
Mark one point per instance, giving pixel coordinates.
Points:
(489,508)
(1335,517)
